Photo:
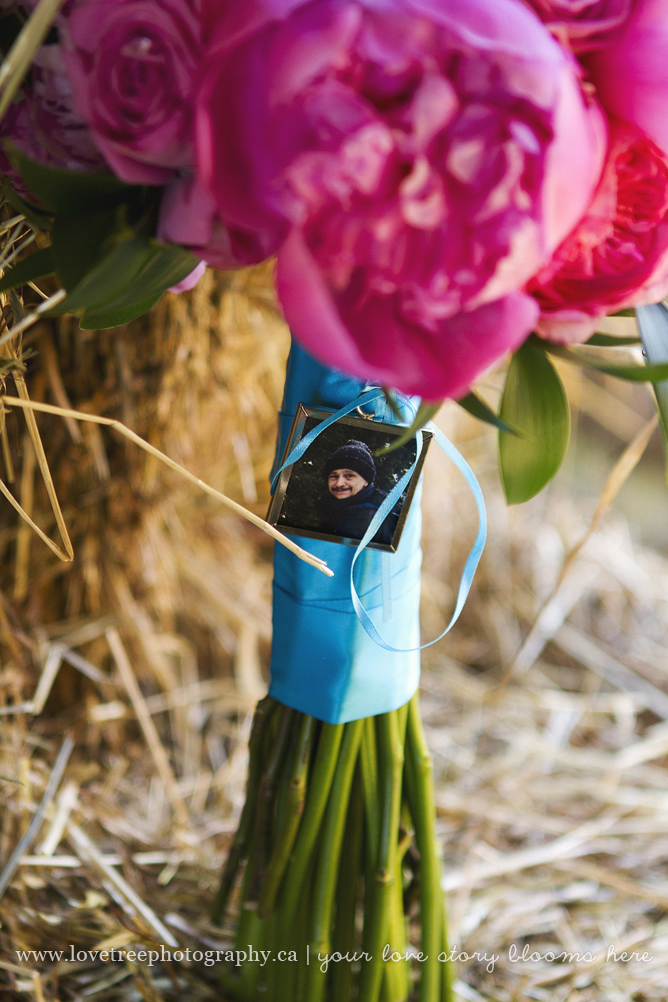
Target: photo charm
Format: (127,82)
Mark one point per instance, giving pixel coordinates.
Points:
(336,487)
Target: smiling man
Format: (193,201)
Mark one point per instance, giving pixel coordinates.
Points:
(352,497)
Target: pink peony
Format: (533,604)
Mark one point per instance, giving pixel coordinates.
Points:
(618,255)
(133,65)
(631,74)
(583,25)
(415,162)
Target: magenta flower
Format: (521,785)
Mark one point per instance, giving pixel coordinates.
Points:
(618,254)
(583,25)
(59,136)
(44,124)
(189,217)
(191,280)
(413,162)
(132,65)
(631,74)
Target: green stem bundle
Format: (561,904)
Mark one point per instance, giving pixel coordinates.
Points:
(336,832)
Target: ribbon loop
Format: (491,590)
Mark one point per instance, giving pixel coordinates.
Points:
(387,505)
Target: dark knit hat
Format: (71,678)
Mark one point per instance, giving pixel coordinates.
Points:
(354,455)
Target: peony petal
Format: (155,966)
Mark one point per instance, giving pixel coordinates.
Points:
(374,343)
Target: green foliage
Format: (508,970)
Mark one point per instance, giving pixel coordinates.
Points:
(425,413)
(610,341)
(39,218)
(477,408)
(102,249)
(164,267)
(534,402)
(632,373)
(103,317)
(38,265)
(67,191)
(653,325)
(78,243)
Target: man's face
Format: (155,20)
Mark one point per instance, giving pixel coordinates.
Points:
(345,483)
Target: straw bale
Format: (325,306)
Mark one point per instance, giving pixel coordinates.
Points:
(545,707)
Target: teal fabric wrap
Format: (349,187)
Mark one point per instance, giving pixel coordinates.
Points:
(323,662)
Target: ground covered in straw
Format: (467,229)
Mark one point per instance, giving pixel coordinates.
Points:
(129,676)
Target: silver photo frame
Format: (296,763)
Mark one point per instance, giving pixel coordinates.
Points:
(333,490)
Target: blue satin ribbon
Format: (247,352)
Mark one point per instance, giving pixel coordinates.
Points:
(370,396)
(328,658)
(472,560)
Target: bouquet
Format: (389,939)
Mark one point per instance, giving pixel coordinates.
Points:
(441,183)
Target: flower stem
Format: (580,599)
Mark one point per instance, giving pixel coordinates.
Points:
(348,893)
(376,926)
(265,805)
(396,983)
(293,814)
(420,789)
(328,821)
(318,792)
(239,850)
(327,868)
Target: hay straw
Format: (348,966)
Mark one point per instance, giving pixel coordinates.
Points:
(31,405)
(89,851)
(33,316)
(520,767)
(152,739)
(12,863)
(17,61)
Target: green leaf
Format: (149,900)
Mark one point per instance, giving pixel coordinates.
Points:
(653,326)
(425,413)
(78,243)
(33,213)
(166,267)
(104,318)
(479,409)
(391,402)
(534,402)
(609,341)
(38,265)
(108,278)
(630,312)
(68,191)
(632,373)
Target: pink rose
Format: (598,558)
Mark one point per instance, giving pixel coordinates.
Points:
(583,25)
(618,254)
(59,136)
(415,162)
(43,123)
(191,280)
(132,65)
(631,74)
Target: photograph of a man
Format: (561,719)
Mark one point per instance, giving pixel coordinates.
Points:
(352,498)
